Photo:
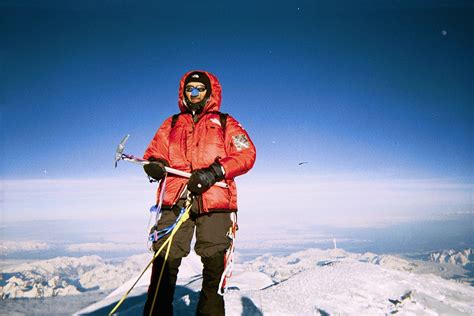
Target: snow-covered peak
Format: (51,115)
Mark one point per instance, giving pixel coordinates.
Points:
(309,282)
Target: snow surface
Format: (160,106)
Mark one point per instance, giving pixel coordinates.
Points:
(313,282)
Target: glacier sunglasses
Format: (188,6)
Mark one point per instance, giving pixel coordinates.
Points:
(195,90)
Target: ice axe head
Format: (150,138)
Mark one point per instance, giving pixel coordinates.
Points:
(120,149)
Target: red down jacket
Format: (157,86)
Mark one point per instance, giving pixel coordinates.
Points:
(189,146)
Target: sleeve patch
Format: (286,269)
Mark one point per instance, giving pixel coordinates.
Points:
(241,142)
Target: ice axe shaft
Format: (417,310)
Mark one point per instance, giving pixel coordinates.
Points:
(119,155)
(143,162)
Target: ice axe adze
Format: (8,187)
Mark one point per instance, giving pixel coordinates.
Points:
(119,155)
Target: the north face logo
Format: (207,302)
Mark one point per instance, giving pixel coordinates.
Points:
(216,121)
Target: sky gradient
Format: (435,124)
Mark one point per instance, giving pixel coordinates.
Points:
(370,94)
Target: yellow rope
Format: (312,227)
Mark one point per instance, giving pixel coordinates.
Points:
(166,243)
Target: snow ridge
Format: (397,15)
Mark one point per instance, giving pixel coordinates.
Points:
(319,282)
(316,282)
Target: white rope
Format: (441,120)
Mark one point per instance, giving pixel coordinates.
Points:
(229,255)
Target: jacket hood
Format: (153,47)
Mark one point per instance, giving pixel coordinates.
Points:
(214,103)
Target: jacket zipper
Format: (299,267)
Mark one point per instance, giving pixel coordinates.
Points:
(192,136)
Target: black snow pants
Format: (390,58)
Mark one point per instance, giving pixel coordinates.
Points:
(211,244)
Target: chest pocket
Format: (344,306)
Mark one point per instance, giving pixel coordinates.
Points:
(180,139)
(214,134)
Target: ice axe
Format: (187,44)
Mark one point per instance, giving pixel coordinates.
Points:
(119,155)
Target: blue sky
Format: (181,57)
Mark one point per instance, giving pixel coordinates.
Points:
(364,91)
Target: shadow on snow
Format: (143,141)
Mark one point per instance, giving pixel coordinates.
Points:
(185,304)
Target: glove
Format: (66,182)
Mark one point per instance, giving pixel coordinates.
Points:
(156,168)
(202,179)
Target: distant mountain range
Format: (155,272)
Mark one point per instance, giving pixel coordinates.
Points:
(463,258)
(67,276)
